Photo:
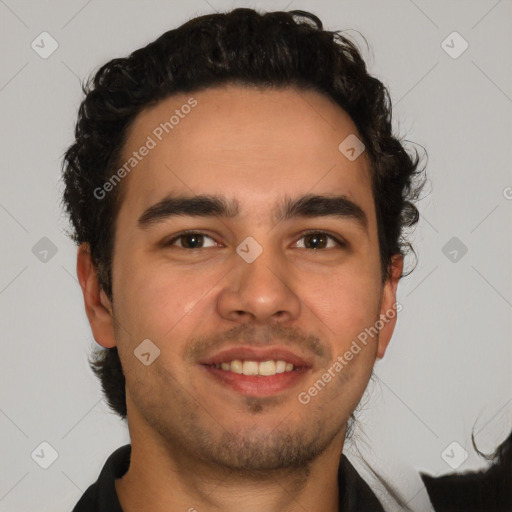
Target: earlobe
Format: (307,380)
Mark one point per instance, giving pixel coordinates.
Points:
(388,311)
(98,307)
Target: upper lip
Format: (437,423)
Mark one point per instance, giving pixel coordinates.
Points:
(256,354)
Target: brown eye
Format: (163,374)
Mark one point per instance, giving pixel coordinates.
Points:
(191,240)
(320,240)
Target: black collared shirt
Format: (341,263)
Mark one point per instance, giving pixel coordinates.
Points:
(355,495)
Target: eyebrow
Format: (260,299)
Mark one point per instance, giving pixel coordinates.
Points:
(309,205)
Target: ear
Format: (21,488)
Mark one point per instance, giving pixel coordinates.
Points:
(97,305)
(388,310)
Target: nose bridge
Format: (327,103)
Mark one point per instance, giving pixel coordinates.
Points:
(260,287)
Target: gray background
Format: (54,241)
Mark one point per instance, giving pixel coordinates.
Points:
(447,370)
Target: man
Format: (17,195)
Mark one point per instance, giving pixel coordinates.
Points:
(239,200)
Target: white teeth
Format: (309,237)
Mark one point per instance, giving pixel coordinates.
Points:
(236,366)
(264,368)
(250,368)
(267,368)
(280,366)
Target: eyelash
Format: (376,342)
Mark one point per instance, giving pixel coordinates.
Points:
(341,243)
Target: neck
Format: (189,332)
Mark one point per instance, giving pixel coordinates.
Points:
(162,478)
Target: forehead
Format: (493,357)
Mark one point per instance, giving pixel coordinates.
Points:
(246,143)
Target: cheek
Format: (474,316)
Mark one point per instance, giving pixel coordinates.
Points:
(346,302)
(157,299)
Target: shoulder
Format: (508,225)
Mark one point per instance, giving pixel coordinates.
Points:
(101,496)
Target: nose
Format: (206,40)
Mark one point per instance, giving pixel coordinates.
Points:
(259,292)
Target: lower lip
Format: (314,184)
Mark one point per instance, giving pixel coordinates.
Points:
(252,385)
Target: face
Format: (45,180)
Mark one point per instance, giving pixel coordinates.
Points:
(254,287)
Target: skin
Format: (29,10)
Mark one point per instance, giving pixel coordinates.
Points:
(197,443)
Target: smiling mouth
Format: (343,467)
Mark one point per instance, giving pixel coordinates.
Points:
(256,368)
(257,378)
